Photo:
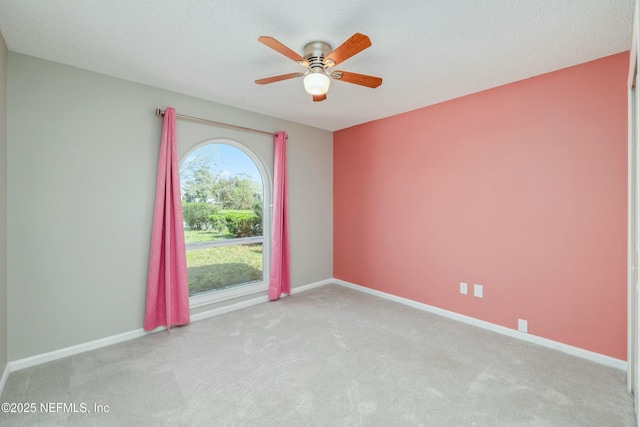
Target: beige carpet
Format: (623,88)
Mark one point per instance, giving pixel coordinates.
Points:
(326,357)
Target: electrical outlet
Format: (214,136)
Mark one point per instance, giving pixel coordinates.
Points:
(523,326)
(477,291)
(463,288)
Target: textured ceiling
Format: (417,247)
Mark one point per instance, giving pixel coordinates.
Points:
(427,51)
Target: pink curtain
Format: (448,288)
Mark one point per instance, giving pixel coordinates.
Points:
(167,282)
(280,279)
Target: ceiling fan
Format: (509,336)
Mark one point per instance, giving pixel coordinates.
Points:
(318,59)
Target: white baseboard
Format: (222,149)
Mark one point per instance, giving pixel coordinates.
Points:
(39,359)
(254,301)
(565,348)
(3,379)
(312,285)
(103,342)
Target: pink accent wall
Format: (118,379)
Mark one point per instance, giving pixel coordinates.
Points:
(521,188)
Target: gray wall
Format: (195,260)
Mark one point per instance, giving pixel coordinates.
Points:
(3,205)
(83,153)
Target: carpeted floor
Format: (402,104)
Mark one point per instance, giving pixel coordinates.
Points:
(330,356)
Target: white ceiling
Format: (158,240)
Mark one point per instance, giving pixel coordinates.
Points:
(427,51)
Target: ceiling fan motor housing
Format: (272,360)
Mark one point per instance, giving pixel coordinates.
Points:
(315,53)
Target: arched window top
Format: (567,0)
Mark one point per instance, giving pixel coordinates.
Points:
(212,163)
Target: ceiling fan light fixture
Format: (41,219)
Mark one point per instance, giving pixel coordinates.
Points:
(317,82)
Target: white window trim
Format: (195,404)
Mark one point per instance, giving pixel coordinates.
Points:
(216,296)
(213,297)
(228,242)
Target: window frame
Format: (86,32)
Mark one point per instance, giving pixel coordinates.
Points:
(212,297)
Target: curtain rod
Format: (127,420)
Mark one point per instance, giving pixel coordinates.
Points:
(160,113)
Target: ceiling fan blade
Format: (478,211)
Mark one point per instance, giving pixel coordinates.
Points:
(279,78)
(355,78)
(318,98)
(355,44)
(280,48)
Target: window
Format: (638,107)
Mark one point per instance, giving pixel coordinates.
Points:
(223,204)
